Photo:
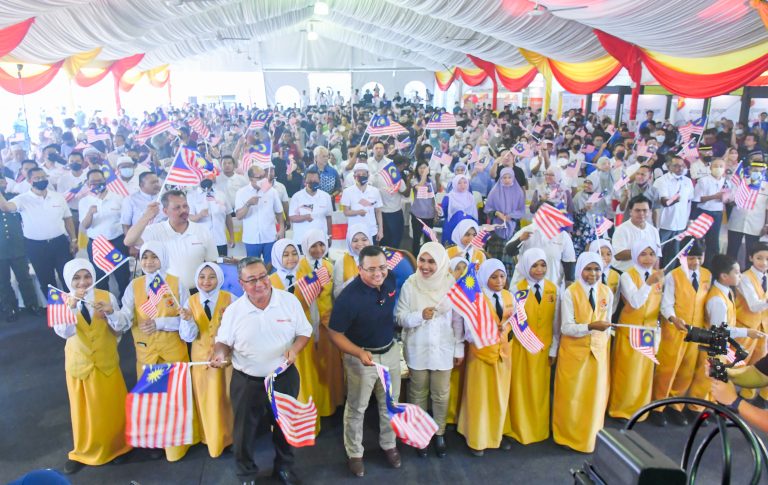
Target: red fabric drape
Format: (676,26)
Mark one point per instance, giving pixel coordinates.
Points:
(520,83)
(11,37)
(118,69)
(490,70)
(579,87)
(471,80)
(84,81)
(444,86)
(630,56)
(29,84)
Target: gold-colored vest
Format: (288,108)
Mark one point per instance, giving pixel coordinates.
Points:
(744,315)
(94,345)
(648,314)
(541,315)
(207,329)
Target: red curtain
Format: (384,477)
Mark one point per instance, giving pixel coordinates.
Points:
(469,79)
(579,87)
(443,86)
(84,81)
(11,37)
(630,56)
(490,69)
(30,84)
(118,68)
(519,83)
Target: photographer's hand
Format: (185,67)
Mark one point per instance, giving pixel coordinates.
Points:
(723,392)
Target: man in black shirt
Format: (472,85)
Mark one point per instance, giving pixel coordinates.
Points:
(362,326)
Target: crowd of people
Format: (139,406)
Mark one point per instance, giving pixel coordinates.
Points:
(105,179)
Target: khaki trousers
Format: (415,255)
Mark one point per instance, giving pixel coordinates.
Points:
(434,384)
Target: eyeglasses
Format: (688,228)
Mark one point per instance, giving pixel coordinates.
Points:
(253,281)
(380,269)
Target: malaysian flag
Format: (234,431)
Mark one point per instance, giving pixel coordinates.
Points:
(76,192)
(96,135)
(520,328)
(642,340)
(602,225)
(522,150)
(683,256)
(157,288)
(468,300)
(114,184)
(393,258)
(391,176)
(621,183)
(297,421)
(410,423)
(441,157)
(151,130)
(698,228)
(424,192)
(746,194)
(737,174)
(695,128)
(428,231)
(480,239)
(573,168)
(550,220)
(404,144)
(595,198)
(58,312)
(159,408)
(185,169)
(262,152)
(690,151)
(312,285)
(105,255)
(198,126)
(441,121)
(380,125)
(260,120)
(249,158)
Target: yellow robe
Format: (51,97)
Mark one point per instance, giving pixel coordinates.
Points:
(96,390)
(528,417)
(485,395)
(631,371)
(160,347)
(756,321)
(210,387)
(582,376)
(681,371)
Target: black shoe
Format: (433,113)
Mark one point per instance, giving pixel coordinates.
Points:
(477,452)
(12,314)
(156,453)
(35,310)
(440,448)
(286,477)
(72,466)
(657,418)
(677,417)
(121,459)
(421,453)
(506,445)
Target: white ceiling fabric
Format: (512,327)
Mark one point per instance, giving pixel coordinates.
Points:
(431,34)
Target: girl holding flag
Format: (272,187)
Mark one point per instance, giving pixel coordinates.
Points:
(462,235)
(610,275)
(528,417)
(210,386)
(488,374)
(581,376)
(632,372)
(95,383)
(152,303)
(345,269)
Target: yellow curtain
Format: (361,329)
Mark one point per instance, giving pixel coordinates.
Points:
(711,64)
(542,65)
(586,71)
(75,62)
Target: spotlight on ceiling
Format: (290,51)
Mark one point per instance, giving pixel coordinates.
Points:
(311,34)
(321,8)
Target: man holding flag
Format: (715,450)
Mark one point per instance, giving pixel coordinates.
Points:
(386,177)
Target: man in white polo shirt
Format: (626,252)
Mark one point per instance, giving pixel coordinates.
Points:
(362,203)
(258,206)
(259,331)
(675,195)
(635,229)
(188,244)
(49,233)
(310,208)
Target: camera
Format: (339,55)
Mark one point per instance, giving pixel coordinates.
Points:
(715,341)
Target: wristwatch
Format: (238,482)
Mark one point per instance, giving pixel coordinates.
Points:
(734,406)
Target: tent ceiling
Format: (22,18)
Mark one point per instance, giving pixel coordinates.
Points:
(431,34)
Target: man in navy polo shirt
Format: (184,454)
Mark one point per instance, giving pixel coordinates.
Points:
(362,326)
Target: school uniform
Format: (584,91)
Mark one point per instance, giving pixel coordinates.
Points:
(752,313)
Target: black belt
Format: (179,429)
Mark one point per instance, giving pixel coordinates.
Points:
(380,350)
(45,241)
(248,376)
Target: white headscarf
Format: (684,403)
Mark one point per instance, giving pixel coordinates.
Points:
(460,230)
(277,258)
(212,295)
(75,265)
(351,232)
(458,259)
(312,237)
(595,246)
(432,290)
(586,258)
(638,247)
(487,269)
(528,259)
(158,249)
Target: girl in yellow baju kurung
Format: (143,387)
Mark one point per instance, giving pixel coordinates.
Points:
(210,386)
(345,268)
(462,234)
(458,266)
(752,310)
(162,338)
(582,374)
(610,275)
(632,372)
(95,383)
(488,372)
(528,416)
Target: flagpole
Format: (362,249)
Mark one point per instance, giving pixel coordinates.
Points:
(165,180)
(70,294)
(685,248)
(107,275)
(205,362)
(627,325)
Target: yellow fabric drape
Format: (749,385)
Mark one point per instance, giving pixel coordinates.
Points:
(711,64)
(585,71)
(75,62)
(541,63)
(158,74)
(512,72)
(444,76)
(762,9)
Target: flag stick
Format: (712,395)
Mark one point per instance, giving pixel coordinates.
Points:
(107,275)
(206,362)
(685,248)
(627,325)
(70,294)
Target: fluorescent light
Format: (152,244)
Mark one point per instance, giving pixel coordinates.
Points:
(312,35)
(321,8)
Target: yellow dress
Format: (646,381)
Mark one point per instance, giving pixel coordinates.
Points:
(528,417)
(485,395)
(160,347)
(681,363)
(96,390)
(582,376)
(210,387)
(756,321)
(631,371)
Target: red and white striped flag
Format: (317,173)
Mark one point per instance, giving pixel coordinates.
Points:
(550,221)
(428,231)
(746,195)
(297,421)
(105,255)
(520,328)
(441,121)
(468,300)
(424,192)
(393,258)
(96,135)
(159,409)
(698,228)
(621,183)
(57,311)
(480,239)
(695,128)
(149,131)
(642,340)
(198,126)
(312,284)
(157,288)
(602,225)
(594,198)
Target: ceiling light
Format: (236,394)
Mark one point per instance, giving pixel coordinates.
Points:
(312,35)
(321,8)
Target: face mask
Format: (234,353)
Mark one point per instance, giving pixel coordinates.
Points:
(707,159)
(426,155)
(568,136)
(739,132)
(313,186)
(660,138)
(126,172)
(562,161)
(97,189)
(40,184)
(362,179)
(754,177)
(717,172)
(75,167)
(206,184)
(619,155)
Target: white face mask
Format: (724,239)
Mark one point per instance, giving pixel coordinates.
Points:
(126,172)
(717,172)
(739,132)
(660,138)
(562,162)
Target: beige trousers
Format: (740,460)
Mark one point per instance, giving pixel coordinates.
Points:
(434,384)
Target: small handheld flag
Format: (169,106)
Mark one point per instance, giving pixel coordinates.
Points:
(695,128)
(690,151)
(602,225)
(391,176)
(642,340)
(151,130)
(96,135)
(105,255)
(698,228)
(58,312)
(520,328)
(312,284)
(424,192)
(550,220)
(522,150)
(297,421)
(380,125)
(441,121)
(198,126)
(157,288)
(440,157)
(468,300)
(480,239)
(746,194)
(260,120)
(114,184)
(76,192)
(428,231)
(393,258)
(185,170)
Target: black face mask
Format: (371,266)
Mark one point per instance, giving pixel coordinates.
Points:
(206,184)
(98,188)
(576,147)
(619,155)
(313,186)
(75,167)
(40,184)
(707,159)
(363,180)
(427,155)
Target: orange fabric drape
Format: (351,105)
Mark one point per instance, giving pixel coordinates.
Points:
(762,9)
(29,84)
(490,70)
(11,37)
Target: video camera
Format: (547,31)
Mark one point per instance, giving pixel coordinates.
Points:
(714,341)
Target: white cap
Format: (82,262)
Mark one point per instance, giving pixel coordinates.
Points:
(360,166)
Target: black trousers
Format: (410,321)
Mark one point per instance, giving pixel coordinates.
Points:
(418,233)
(734,244)
(222,250)
(20,267)
(48,258)
(122,274)
(394,226)
(251,407)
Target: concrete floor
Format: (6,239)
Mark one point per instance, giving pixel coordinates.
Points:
(36,434)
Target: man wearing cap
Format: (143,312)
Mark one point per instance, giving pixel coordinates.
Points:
(745,224)
(362,203)
(700,166)
(18,154)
